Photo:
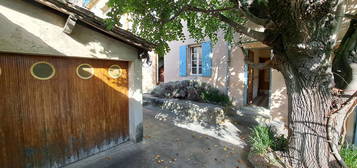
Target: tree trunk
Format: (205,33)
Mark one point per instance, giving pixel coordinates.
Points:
(310,99)
(308,121)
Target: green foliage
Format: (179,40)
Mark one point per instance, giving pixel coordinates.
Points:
(280,143)
(263,140)
(349,155)
(160,21)
(214,96)
(192,90)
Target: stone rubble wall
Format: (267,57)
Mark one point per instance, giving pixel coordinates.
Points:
(209,114)
(190,111)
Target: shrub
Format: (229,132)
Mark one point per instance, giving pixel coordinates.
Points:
(214,96)
(349,155)
(262,140)
(192,90)
(280,143)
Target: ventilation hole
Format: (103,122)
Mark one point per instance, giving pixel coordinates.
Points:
(42,70)
(85,71)
(114,71)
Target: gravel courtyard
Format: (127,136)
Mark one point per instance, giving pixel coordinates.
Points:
(166,145)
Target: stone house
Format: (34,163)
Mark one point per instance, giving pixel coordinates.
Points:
(222,65)
(69,87)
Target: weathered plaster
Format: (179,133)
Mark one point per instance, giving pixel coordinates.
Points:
(150,73)
(219,66)
(28,28)
(135,101)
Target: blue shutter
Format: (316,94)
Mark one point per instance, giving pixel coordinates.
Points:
(207,59)
(86,2)
(183,57)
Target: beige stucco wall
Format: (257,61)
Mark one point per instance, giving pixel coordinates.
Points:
(27,27)
(219,64)
(278,96)
(150,73)
(236,72)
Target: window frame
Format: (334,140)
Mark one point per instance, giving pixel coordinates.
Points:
(198,60)
(82,77)
(40,78)
(120,71)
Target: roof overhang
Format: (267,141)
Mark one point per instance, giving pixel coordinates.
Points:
(98,23)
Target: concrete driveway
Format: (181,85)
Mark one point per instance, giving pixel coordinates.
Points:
(168,146)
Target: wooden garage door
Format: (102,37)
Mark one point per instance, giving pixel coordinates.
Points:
(49,123)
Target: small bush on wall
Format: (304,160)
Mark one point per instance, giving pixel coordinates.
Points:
(215,96)
(192,90)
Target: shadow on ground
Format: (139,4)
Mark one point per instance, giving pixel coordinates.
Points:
(168,146)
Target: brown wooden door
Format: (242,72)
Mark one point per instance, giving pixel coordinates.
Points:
(49,123)
(250,77)
(264,78)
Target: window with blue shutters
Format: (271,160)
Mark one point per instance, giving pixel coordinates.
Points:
(196,60)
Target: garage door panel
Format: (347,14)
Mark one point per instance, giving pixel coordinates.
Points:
(116,90)
(62,119)
(86,99)
(10,132)
(43,104)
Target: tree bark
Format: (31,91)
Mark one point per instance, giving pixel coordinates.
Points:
(309,82)
(308,112)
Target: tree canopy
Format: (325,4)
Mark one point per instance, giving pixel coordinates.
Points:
(160,21)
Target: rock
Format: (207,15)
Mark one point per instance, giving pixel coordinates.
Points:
(190,111)
(250,115)
(192,94)
(278,127)
(187,89)
(254,115)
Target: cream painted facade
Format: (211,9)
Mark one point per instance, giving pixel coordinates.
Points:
(229,72)
(30,28)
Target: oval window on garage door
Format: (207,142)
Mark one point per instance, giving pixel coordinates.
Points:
(43,70)
(85,71)
(114,71)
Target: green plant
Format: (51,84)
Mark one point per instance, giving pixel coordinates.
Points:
(262,140)
(280,143)
(349,155)
(212,95)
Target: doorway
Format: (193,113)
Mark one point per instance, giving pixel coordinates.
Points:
(258,79)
